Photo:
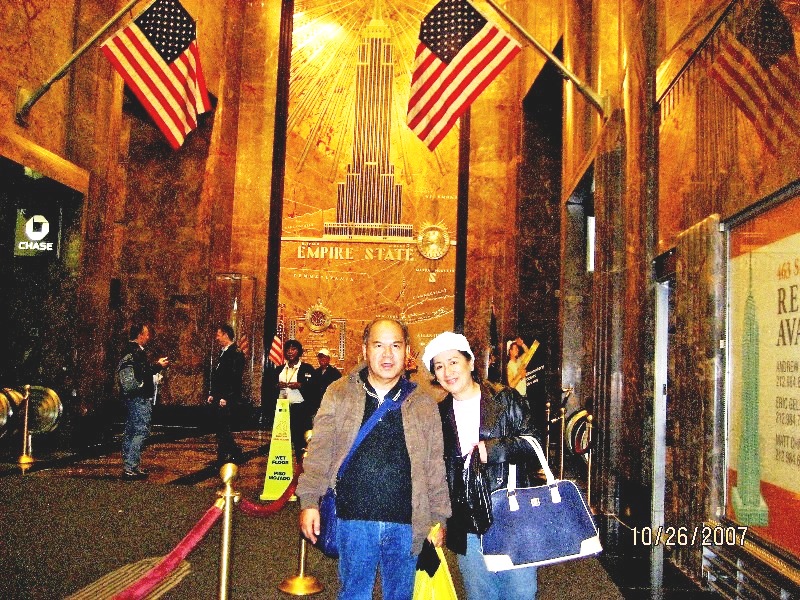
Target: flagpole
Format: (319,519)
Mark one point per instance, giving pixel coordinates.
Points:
(25,100)
(600,103)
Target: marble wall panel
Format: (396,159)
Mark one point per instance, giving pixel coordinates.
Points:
(694,402)
(37,40)
(538,239)
(492,246)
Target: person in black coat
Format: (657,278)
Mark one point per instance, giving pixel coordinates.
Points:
(225,393)
(490,421)
(293,382)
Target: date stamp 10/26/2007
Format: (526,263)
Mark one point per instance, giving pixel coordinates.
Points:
(699,535)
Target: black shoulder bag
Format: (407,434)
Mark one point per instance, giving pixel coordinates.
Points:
(478,497)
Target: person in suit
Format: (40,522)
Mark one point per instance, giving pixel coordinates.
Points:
(225,393)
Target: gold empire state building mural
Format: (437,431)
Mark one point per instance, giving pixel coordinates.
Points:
(370,202)
(369,212)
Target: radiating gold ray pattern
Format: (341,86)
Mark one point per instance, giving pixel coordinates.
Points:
(326,38)
(360,186)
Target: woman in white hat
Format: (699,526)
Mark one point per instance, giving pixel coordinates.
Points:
(477,418)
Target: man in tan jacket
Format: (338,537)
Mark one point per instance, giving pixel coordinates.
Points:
(393,489)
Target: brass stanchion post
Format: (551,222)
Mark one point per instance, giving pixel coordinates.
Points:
(589,461)
(228,474)
(26,458)
(561,459)
(302,584)
(547,430)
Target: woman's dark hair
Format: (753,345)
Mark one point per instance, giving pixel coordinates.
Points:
(476,377)
(296,344)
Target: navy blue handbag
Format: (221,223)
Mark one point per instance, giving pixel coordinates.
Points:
(326,540)
(538,525)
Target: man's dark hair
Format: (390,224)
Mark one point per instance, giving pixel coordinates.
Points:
(227,330)
(138,328)
(296,344)
(398,322)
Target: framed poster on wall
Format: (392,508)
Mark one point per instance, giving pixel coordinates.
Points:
(763,357)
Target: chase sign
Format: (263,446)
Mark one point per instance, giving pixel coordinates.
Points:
(35,235)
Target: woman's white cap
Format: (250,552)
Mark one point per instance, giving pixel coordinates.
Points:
(445,341)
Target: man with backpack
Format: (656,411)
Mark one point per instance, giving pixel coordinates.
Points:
(137,381)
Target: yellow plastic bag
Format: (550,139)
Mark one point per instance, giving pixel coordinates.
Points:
(433,581)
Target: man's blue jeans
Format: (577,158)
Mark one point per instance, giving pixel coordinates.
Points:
(137,428)
(482,584)
(365,545)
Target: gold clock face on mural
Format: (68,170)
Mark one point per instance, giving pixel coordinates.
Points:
(433,242)
(318,318)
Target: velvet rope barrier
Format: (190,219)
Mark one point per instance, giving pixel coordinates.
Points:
(265,510)
(145,584)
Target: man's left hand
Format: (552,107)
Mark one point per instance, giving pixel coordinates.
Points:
(310,524)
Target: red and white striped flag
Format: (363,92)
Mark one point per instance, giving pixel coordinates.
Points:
(460,52)
(157,56)
(756,64)
(276,350)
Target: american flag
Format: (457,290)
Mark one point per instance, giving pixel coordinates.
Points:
(460,52)
(276,350)
(756,65)
(157,56)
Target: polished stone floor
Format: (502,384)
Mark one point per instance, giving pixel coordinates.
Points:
(185,457)
(181,455)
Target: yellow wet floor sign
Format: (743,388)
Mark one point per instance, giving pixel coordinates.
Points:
(279,466)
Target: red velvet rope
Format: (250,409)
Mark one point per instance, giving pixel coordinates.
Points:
(265,510)
(145,584)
